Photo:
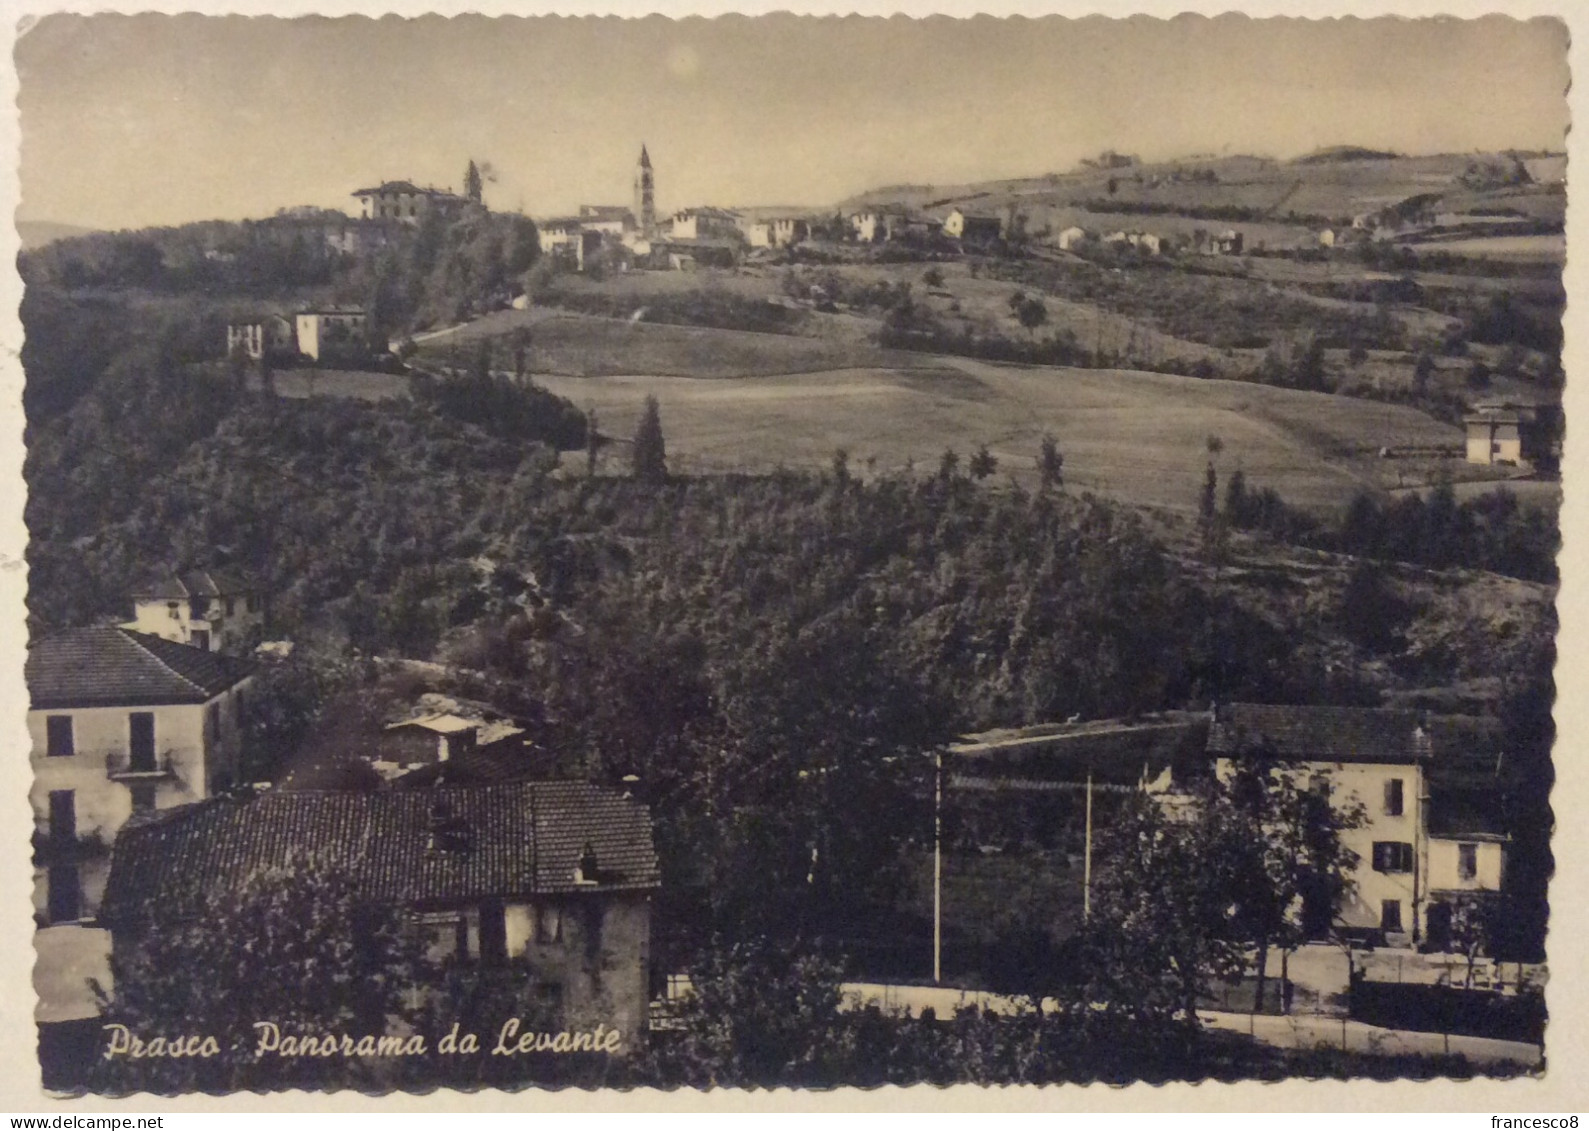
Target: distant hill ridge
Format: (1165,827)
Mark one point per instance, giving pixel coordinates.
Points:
(35,234)
(1333,153)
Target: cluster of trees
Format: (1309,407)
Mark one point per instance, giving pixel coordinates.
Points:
(1493,531)
(702,306)
(1225,312)
(450,266)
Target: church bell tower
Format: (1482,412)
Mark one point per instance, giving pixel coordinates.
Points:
(645,200)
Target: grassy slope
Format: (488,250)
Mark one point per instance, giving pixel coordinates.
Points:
(574,345)
(1135,436)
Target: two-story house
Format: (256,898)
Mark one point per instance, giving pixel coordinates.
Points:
(705,223)
(121,723)
(1421,839)
(329,330)
(555,875)
(210,609)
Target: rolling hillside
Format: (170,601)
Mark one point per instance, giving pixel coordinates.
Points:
(1139,437)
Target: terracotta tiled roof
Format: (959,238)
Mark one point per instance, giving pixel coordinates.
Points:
(406,188)
(1115,750)
(401,846)
(195,583)
(115,667)
(1354,734)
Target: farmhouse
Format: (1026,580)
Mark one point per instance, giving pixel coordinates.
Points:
(210,609)
(556,876)
(326,331)
(972,227)
(121,723)
(1513,433)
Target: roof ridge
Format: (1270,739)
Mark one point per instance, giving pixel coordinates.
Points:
(137,642)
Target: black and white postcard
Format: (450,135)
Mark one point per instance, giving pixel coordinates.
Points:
(791,552)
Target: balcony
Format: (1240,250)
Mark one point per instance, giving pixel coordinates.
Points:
(125,768)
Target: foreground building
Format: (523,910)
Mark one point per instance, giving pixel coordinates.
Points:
(121,723)
(1426,839)
(555,875)
(1429,787)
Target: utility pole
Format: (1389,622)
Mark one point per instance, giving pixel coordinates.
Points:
(1086,859)
(937,869)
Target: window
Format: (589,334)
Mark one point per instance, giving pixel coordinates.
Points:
(548,924)
(63,815)
(1392,856)
(493,933)
(231,606)
(140,728)
(443,934)
(65,895)
(58,736)
(143,797)
(1467,861)
(201,639)
(1390,915)
(1393,799)
(175,609)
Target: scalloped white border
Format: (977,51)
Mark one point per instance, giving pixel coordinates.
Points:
(1565,1085)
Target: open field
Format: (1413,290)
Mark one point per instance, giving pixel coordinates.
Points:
(1140,437)
(1550,248)
(573,345)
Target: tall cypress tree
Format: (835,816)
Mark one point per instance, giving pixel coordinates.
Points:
(650,453)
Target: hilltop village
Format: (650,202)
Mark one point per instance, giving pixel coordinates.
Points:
(644,616)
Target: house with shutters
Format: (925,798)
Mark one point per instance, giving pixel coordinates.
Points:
(556,876)
(212,610)
(121,723)
(1427,786)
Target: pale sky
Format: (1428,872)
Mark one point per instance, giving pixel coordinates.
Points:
(130,121)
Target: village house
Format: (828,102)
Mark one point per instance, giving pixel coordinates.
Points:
(212,610)
(1514,433)
(972,227)
(705,223)
(777,231)
(559,232)
(557,876)
(273,335)
(121,724)
(1427,786)
(325,331)
(406,201)
(1071,237)
(609,219)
